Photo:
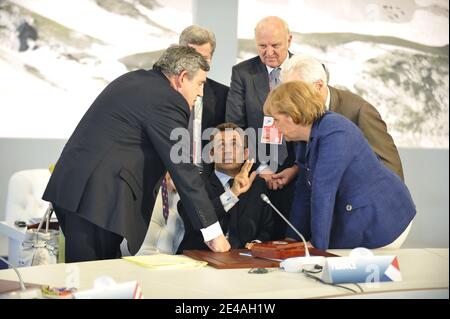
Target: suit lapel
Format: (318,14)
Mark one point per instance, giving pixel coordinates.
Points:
(335,103)
(216,185)
(261,81)
(313,137)
(308,148)
(218,190)
(209,101)
(241,205)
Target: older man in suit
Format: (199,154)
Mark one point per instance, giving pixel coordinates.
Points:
(234,193)
(104,184)
(251,82)
(305,68)
(208,112)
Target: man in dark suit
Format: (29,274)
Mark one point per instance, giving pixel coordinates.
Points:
(242,214)
(353,107)
(209,110)
(103,187)
(251,82)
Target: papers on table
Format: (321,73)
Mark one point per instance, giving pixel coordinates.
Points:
(164,261)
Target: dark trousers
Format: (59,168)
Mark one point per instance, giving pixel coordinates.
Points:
(281,199)
(86,241)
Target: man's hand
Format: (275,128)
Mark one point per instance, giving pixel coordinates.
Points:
(267,174)
(170,185)
(242,181)
(219,244)
(284,177)
(249,245)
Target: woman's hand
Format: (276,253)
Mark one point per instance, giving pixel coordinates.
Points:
(284,177)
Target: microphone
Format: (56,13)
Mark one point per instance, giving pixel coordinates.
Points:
(21,283)
(267,200)
(361,266)
(296,264)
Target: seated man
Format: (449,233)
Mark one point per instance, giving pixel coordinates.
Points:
(243,216)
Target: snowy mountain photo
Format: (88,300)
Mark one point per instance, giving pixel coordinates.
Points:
(57,55)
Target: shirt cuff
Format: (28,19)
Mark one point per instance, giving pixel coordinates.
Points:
(228,199)
(211,232)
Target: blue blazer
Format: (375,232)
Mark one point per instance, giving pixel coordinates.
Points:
(345,197)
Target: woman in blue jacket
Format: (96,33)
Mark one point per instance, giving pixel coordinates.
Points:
(345,197)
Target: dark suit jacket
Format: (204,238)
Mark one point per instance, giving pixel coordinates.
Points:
(111,167)
(249,219)
(248,92)
(214,102)
(367,118)
(345,197)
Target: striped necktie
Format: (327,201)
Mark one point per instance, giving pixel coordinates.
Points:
(274,81)
(274,78)
(165,199)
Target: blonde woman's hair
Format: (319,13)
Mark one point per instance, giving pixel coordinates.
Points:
(296,99)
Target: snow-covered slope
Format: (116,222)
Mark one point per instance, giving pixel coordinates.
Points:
(392,52)
(56,56)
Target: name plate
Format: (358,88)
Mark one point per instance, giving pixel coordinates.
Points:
(367,269)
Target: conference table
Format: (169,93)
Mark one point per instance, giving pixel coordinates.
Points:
(424,272)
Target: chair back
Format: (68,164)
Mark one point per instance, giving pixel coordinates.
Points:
(24,199)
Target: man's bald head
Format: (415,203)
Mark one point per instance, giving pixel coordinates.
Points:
(273,40)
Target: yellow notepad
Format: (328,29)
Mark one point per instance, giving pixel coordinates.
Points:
(164,261)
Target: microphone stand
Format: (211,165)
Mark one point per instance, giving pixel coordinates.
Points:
(267,200)
(296,264)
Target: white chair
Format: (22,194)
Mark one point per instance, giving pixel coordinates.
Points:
(23,202)
(25,190)
(160,236)
(165,237)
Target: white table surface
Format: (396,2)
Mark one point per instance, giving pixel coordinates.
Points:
(423,270)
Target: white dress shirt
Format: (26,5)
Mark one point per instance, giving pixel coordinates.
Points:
(228,200)
(197,133)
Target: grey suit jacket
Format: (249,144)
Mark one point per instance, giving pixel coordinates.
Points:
(248,92)
(111,168)
(374,129)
